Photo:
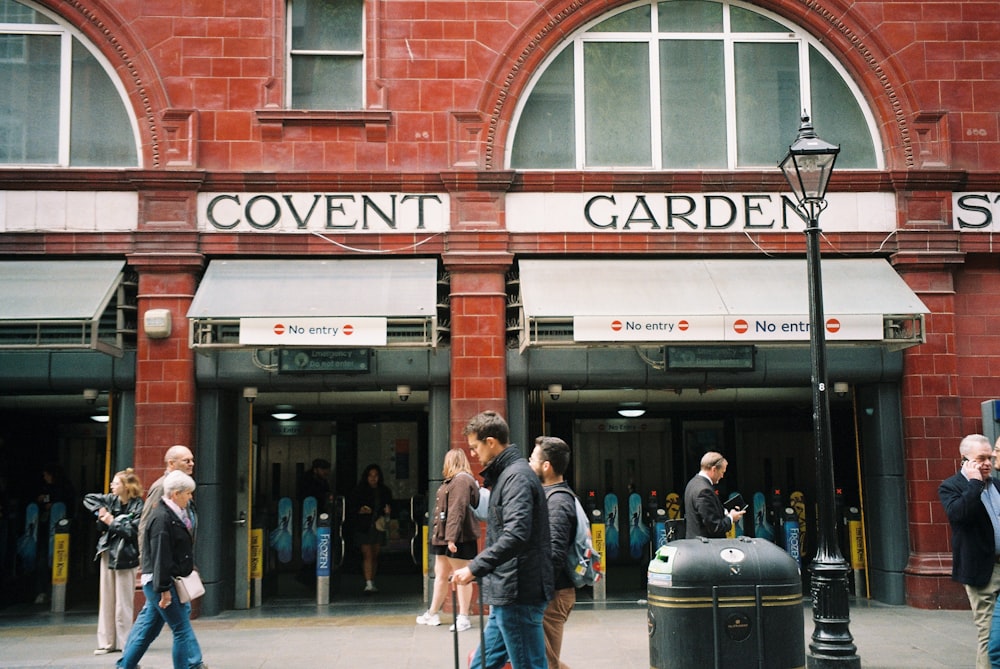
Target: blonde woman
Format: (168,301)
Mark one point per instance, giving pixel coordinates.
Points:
(118,550)
(455,537)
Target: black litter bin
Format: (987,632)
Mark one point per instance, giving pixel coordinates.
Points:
(725,603)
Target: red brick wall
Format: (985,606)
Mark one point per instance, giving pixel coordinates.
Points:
(930,70)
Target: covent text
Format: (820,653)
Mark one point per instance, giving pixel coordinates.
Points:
(323,212)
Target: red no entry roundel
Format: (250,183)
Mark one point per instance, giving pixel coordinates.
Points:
(616,325)
(832,325)
(279,329)
(682,326)
(348,329)
(741,326)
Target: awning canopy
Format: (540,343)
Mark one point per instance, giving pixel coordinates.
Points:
(46,304)
(756,301)
(267,302)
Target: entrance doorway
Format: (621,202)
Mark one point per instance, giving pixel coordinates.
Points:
(286,451)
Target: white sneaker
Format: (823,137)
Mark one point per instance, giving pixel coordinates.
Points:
(427,619)
(370,587)
(462,622)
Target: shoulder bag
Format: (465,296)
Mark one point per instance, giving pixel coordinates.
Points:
(189,587)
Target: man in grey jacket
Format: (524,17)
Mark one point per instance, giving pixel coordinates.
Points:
(515,567)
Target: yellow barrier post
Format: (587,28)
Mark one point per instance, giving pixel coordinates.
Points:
(856,535)
(256,564)
(599,537)
(60,566)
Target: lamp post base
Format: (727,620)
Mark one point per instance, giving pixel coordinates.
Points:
(832,646)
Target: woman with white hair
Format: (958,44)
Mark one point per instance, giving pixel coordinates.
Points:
(168,542)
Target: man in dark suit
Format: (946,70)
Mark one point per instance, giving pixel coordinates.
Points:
(703,510)
(972,503)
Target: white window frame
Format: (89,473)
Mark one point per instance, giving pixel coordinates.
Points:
(653,37)
(66,34)
(334,53)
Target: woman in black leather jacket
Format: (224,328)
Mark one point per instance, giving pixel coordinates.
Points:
(118,551)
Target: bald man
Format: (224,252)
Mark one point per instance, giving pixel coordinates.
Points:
(703,510)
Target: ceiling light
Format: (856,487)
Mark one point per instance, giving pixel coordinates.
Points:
(100,418)
(283,412)
(631,410)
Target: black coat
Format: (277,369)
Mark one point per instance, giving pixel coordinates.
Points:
(121,538)
(169,546)
(703,510)
(973,553)
(516,565)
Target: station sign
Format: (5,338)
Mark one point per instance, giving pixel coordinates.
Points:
(317,213)
(671,213)
(329,331)
(732,328)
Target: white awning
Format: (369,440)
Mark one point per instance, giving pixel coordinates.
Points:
(61,304)
(394,297)
(713,300)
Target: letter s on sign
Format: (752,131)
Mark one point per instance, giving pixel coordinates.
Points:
(965,204)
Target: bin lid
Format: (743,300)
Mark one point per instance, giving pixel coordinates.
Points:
(740,561)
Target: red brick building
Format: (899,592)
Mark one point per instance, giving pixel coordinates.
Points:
(385,216)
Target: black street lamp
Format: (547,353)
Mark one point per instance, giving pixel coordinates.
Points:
(808,167)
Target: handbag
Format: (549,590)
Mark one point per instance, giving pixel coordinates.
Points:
(189,587)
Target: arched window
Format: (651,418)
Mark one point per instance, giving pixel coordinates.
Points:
(59,106)
(684,85)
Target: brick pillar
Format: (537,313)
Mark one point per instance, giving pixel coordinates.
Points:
(932,429)
(478,265)
(165,383)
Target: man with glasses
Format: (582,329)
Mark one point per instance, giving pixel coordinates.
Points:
(972,503)
(705,516)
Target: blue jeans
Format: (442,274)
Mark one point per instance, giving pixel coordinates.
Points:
(993,649)
(513,632)
(186,651)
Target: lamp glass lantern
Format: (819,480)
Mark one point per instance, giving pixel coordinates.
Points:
(809,164)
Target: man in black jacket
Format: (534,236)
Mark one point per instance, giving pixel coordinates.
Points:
(515,567)
(549,461)
(972,503)
(706,517)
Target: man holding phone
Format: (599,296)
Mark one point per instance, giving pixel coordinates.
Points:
(972,503)
(703,510)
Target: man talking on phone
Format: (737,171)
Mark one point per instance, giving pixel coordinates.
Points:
(972,503)
(703,510)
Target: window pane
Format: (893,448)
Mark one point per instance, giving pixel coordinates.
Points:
(547,127)
(635,20)
(693,103)
(15,12)
(326,82)
(29,90)
(837,116)
(327,25)
(744,21)
(691,16)
(616,106)
(100,133)
(767,101)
